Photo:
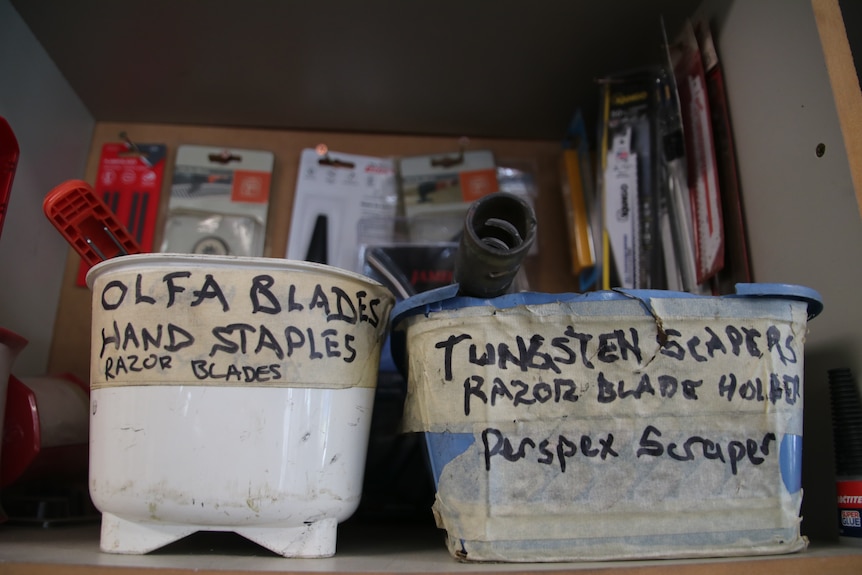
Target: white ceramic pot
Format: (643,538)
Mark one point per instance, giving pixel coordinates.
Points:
(230,394)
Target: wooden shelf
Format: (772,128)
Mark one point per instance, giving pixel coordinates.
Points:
(73,550)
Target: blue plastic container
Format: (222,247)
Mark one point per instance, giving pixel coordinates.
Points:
(610,425)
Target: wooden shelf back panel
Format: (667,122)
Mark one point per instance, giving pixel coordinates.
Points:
(70,348)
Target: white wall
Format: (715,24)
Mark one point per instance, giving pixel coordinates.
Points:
(801,211)
(53,129)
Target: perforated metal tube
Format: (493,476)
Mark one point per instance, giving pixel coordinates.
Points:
(498,232)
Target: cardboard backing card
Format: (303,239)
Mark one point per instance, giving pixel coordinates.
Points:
(737,266)
(628,181)
(219,201)
(700,154)
(334,192)
(129,181)
(445,185)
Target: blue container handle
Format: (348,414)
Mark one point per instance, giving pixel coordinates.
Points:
(785,291)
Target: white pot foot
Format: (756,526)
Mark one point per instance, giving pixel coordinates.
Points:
(135,538)
(315,539)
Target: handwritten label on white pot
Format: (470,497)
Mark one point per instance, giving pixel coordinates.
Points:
(234,326)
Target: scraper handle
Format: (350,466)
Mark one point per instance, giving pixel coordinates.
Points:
(87,223)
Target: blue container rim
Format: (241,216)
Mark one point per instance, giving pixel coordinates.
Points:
(447,298)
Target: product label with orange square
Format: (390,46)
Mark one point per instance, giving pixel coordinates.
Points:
(444,185)
(477,183)
(250,186)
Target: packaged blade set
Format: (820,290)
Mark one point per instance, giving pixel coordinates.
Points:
(219,201)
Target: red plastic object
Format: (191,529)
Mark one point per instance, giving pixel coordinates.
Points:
(8,162)
(22,438)
(87,223)
(12,340)
(24,456)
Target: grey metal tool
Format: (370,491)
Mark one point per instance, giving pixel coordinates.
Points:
(498,231)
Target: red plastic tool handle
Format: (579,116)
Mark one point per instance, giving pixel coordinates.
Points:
(87,223)
(8,163)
